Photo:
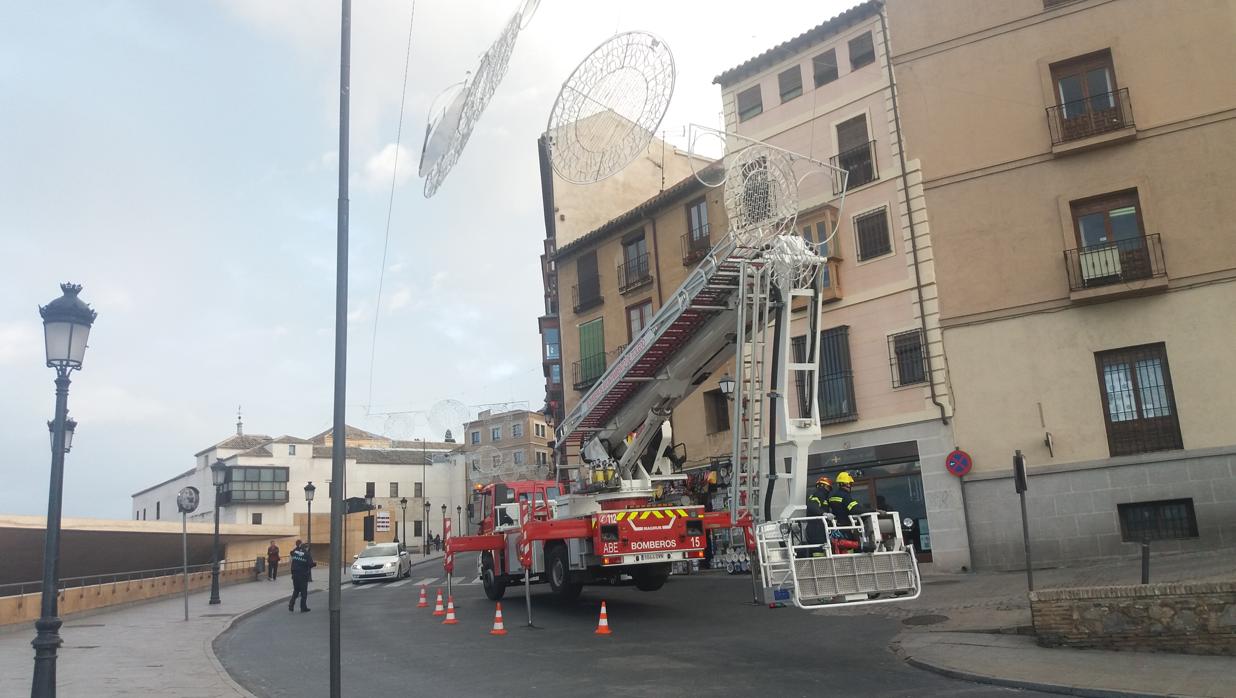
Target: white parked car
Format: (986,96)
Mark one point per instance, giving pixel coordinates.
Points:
(381,561)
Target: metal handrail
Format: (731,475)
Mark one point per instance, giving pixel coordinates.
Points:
(696,244)
(67,583)
(1115,262)
(859,162)
(1091,116)
(634,272)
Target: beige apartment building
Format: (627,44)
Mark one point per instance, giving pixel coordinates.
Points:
(515,442)
(884,392)
(1078,159)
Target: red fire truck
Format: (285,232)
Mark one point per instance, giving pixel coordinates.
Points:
(571,540)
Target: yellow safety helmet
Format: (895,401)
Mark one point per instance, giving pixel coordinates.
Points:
(844,478)
(823,481)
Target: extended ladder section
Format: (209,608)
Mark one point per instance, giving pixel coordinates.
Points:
(687,339)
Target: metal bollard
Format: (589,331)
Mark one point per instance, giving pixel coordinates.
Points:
(1145,559)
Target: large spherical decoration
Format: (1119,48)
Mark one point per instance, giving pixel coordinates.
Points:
(448,132)
(610,107)
(761,194)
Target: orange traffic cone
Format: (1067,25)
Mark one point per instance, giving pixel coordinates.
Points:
(498,627)
(424,600)
(437,609)
(450,612)
(603,623)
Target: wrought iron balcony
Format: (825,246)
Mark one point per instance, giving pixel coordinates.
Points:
(859,162)
(695,245)
(1093,116)
(589,298)
(634,273)
(1116,262)
(587,370)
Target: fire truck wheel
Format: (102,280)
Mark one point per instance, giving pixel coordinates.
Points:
(495,585)
(651,577)
(559,574)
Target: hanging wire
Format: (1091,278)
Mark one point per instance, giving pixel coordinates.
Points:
(390,205)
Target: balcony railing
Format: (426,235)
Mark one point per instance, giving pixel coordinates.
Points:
(589,298)
(634,273)
(1115,262)
(695,245)
(859,162)
(587,370)
(1093,116)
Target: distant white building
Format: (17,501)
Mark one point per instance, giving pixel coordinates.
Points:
(267,476)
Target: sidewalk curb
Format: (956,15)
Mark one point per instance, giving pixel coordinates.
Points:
(975,677)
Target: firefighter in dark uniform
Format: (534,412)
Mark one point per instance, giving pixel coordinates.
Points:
(842,503)
(302,562)
(817,505)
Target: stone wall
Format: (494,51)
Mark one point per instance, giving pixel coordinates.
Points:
(25,608)
(1072,507)
(1186,618)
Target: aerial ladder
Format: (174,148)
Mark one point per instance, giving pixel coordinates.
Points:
(737,303)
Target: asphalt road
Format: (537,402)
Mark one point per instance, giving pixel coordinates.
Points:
(698,635)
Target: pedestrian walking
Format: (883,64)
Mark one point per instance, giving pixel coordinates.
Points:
(437,542)
(302,562)
(272,562)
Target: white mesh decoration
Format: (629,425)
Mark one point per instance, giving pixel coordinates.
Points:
(448,415)
(794,262)
(608,109)
(764,184)
(448,130)
(761,194)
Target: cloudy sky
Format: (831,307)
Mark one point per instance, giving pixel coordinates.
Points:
(179,159)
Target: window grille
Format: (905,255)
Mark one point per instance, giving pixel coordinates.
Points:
(1166,519)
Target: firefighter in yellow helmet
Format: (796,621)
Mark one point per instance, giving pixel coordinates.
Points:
(817,505)
(841,503)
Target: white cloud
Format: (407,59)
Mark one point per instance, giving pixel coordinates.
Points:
(112,404)
(378,168)
(400,298)
(20,343)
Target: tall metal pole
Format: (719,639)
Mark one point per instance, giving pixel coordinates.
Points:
(339,439)
(309,526)
(184,550)
(214,558)
(47,639)
(425,497)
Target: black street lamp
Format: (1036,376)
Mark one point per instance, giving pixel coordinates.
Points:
(309,490)
(403,504)
(218,474)
(70,426)
(727,386)
(444,518)
(66,326)
(459,519)
(425,537)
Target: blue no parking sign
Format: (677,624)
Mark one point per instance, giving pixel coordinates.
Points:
(958,463)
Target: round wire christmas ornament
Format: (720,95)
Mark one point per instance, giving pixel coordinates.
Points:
(445,139)
(761,194)
(609,108)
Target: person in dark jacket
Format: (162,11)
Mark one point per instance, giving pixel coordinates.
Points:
(842,503)
(272,562)
(817,505)
(302,562)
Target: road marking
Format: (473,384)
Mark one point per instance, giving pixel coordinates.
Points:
(474,581)
(347,587)
(426,581)
(363,587)
(399,584)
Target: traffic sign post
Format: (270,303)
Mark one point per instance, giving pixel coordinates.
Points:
(448,559)
(525,555)
(1019,481)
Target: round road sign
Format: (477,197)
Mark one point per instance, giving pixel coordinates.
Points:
(958,463)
